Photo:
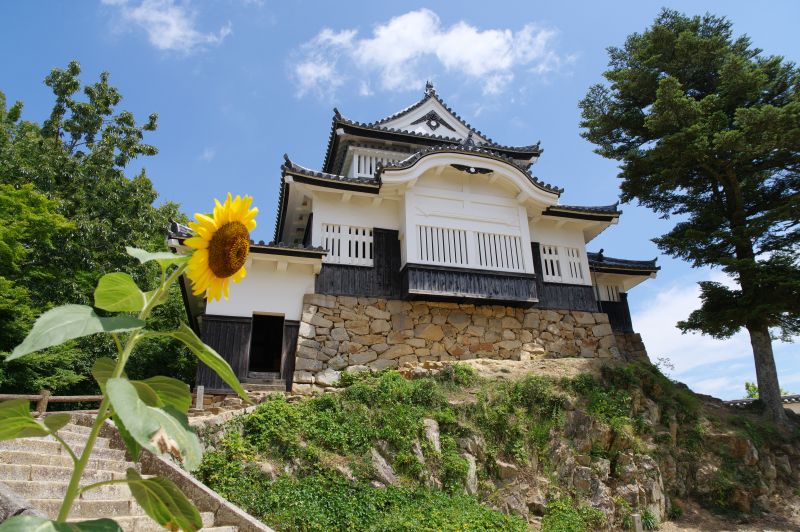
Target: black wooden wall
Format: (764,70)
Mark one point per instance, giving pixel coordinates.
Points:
(437,282)
(290,330)
(230,337)
(380,280)
(559,295)
(619,314)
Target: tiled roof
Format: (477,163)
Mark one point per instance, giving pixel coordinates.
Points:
(601,209)
(288,167)
(430,93)
(598,260)
(181,232)
(462,148)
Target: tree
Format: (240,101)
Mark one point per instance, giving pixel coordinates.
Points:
(68,210)
(707,128)
(751,389)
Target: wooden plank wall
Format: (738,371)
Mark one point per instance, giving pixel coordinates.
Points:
(382,279)
(559,295)
(422,281)
(290,330)
(619,314)
(230,337)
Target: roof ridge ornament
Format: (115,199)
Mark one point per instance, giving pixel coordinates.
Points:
(429,89)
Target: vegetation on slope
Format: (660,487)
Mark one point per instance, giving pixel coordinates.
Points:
(308,465)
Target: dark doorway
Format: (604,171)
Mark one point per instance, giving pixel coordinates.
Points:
(266,344)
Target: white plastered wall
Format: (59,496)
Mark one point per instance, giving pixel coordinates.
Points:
(355,210)
(452,199)
(267,290)
(563,233)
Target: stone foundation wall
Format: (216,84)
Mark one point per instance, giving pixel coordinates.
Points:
(631,347)
(340,333)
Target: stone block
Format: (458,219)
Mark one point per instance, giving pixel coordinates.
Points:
(350,315)
(382,364)
(397,351)
(327,377)
(510,323)
(304,377)
(338,362)
(376,313)
(379,348)
(604,329)
(379,326)
(357,326)
(508,334)
(395,306)
(356,369)
(398,337)
(347,301)
(416,342)
(458,319)
(307,352)
(307,342)
(307,364)
(601,317)
(369,339)
(551,316)
(476,330)
(363,357)
(339,333)
(429,332)
(407,359)
(307,330)
(319,321)
(401,322)
(422,352)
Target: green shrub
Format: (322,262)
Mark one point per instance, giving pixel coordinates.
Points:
(563,515)
(458,375)
(274,427)
(649,520)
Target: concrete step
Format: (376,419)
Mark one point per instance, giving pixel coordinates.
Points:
(278,386)
(50,473)
(221,529)
(90,509)
(75,439)
(34,459)
(44,489)
(80,429)
(143,523)
(52,447)
(274,375)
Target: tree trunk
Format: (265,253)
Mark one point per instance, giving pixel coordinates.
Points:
(769,390)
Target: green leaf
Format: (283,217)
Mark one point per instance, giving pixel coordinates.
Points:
(164,258)
(55,422)
(210,358)
(130,443)
(16,421)
(102,370)
(117,292)
(147,394)
(164,502)
(159,430)
(60,324)
(30,523)
(171,392)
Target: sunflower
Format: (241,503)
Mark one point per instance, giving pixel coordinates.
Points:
(221,246)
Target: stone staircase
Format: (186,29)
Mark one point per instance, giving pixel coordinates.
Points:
(264,381)
(38,469)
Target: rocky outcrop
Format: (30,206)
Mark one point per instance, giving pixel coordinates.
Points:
(339,333)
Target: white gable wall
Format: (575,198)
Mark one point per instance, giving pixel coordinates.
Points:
(405,122)
(266,290)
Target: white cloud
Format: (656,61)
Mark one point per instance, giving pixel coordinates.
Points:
(707,365)
(169,25)
(208,154)
(405,50)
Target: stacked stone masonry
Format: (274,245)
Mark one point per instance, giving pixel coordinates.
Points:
(339,333)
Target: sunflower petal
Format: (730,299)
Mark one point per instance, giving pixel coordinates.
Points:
(238,276)
(196,242)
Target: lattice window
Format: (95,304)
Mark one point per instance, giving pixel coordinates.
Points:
(574,269)
(551,265)
(347,244)
(440,245)
(607,292)
(502,252)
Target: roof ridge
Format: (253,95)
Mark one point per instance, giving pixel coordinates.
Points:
(291,166)
(409,161)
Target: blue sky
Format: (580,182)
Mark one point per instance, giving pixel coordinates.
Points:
(237,83)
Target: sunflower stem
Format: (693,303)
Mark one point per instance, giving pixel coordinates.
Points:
(74,489)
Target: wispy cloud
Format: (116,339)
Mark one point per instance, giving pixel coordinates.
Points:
(402,52)
(707,365)
(208,154)
(169,25)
